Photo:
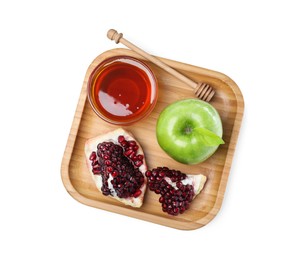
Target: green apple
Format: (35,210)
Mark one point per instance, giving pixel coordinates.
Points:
(189,130)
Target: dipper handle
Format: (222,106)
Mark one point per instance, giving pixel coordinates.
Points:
(202,90)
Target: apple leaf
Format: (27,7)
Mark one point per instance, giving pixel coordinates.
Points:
(208,137)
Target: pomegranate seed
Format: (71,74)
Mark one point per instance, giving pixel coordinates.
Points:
(96,171)
(167,195)
(121,139)
(132,155)
(179,184)
(93,156)
(132,143)
(96,166)
(94,163)
(135,147)
(137,193)
(175,204)
(154,173)
(128,152)
(107,162)
(158,178)
(151,186)
(106,192)
(125,144)
(114,174)
(175,210)
(161,174)
(138,163)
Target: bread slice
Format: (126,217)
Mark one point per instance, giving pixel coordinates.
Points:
(91,145)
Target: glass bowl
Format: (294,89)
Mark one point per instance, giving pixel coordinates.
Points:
(122,90)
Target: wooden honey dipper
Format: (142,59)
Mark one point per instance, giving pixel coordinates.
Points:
(202,90)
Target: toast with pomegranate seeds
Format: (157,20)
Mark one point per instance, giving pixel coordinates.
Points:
(177,189)
(117,165)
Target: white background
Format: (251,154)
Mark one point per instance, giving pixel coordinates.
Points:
(45,49)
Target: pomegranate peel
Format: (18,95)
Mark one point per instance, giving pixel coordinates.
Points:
(117,165)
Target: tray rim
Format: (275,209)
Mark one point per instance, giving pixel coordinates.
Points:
(147,216)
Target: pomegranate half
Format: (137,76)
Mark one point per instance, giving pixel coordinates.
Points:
(177,189)
(117,165)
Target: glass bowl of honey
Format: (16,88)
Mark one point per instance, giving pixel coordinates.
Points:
(122,90)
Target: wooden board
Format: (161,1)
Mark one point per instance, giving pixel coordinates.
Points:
(228,101)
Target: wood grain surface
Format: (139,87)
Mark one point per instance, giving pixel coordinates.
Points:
(228,101)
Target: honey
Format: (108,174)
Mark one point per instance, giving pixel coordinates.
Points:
(123,90)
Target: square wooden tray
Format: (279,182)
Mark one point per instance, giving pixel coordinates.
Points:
(228,101)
